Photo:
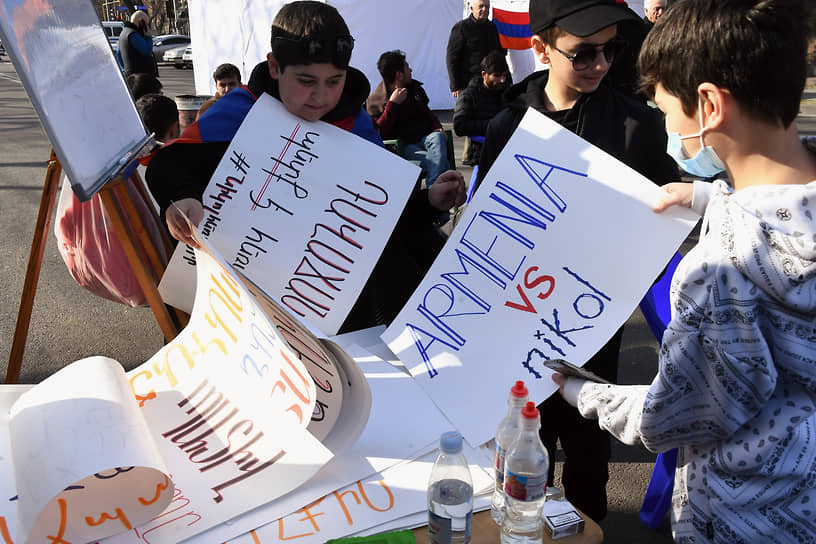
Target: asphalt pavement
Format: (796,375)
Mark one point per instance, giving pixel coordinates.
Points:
(69,323)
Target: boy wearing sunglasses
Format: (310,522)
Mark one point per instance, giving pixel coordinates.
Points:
(308,71)
(577,38)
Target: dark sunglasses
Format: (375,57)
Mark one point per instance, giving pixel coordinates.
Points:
(317,46)
(586,56)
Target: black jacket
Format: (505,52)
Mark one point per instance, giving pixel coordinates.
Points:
(134,62)
(468,44)
(632,132)
(476,106)
(412,119)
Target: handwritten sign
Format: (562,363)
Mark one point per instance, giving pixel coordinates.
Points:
(228,403)
(216,423)
(551,257)
(397,403)
(69,494)
(389,495)
(303,210)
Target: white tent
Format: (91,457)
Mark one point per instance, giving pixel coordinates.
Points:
(237,31)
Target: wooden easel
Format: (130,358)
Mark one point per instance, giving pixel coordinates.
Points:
(120,209)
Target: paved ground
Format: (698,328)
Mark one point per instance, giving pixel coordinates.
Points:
(68,323)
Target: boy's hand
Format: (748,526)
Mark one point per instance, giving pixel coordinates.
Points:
(569,387)
(561,380)
(678,193)
(447,191)
(399,96)
(177,223)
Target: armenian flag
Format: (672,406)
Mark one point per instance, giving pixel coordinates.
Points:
(514,28)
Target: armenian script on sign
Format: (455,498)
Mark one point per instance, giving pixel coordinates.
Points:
(303,210)
(547,262)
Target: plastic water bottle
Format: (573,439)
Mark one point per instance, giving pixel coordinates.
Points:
(450,494)
(525,482)
(505,435)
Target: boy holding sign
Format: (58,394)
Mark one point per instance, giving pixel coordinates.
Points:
(736,383)
(308,71)
(578,40)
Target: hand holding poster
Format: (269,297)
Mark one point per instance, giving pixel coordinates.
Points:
(302,209)
(548,261)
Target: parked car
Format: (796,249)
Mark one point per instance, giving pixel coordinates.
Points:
(2,49)
(113,28)
(166,42)
(174,56)
(187,57)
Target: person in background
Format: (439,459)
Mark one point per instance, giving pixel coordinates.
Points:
(580,45)
(400,106)
(622,75)
(469,41)
(160,115)
(135,54)
(308,71)
(480,102)
(142,84)
(654,9)
(735,389)
(227,77)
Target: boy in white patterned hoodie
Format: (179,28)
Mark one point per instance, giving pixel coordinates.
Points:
(736,384)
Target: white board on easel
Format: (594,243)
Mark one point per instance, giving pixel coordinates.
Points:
(67,67)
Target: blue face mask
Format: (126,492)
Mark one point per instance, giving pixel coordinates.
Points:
(705,163)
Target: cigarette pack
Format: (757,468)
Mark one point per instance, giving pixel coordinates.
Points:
(561,519)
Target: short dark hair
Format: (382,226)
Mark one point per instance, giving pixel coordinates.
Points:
(158,112)
(142,84)
(226,70)
(549,35)
(310,32)
(494,63)
(755,49)
(389,64)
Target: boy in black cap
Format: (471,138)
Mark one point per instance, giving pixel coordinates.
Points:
(578,39)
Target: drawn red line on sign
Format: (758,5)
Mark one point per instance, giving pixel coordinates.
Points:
(277,163)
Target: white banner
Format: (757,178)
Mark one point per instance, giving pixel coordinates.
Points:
(554,252)
(304,210)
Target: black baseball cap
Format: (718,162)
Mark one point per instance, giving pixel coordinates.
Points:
(578,17)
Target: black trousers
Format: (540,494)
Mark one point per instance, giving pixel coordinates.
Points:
(586,446)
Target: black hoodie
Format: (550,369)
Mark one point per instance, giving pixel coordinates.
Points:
(630,131)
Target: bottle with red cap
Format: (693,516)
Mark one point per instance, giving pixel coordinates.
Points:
(505,435)
(525,482)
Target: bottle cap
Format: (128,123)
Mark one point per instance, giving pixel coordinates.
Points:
(529,411)
(450,442)
(519,390)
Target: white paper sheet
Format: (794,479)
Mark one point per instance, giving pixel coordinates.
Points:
(397,403)
(303,210)
(395,493)
(552,255)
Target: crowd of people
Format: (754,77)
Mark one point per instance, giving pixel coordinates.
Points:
(735,390)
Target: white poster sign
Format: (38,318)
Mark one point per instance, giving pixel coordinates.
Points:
(302,209)
(397,402)
(221,420)
(554,252)
(391,495)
